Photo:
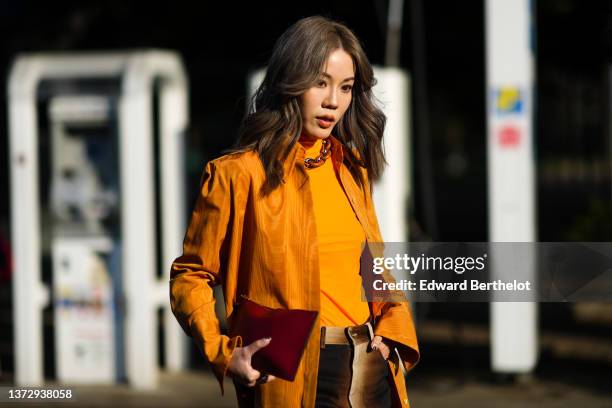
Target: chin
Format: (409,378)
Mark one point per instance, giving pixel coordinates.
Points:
(318,133)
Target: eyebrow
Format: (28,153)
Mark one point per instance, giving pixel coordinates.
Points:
(325,74)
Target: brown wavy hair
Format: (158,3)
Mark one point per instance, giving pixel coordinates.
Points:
(273,123)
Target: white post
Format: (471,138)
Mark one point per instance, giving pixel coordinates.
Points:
(29,293)
(509,95)
(137,226)
(141,284)
(392,191)
(173,112)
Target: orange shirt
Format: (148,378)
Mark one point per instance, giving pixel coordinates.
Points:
(340,237)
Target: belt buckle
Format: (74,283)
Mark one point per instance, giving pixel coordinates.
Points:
(364,330)
(322,341)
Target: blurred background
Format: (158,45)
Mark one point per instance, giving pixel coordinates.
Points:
(439,45)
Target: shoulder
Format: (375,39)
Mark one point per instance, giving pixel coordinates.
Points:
(236,161)
(238,166)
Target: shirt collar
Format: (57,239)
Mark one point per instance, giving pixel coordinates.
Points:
(296,156)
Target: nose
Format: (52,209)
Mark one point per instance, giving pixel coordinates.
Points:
(331,99)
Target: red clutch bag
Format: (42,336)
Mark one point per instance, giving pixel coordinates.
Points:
(289,329)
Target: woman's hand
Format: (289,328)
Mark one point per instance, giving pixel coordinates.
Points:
(377,343)
(240,367)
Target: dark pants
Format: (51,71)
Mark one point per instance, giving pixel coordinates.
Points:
(336,375)
(335,378)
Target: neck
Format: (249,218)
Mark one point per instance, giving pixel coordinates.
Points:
(308,141)
(307,138)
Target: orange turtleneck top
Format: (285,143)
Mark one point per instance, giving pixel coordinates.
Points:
(340,237)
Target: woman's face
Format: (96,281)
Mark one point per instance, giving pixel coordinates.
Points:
(323,105)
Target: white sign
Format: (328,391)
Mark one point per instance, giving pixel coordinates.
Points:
(83,294)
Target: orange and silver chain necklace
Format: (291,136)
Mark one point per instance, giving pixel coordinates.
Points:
(320,159)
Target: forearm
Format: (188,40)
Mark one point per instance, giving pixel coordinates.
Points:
(193,304)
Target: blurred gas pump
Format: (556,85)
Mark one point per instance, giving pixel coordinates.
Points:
(115,124)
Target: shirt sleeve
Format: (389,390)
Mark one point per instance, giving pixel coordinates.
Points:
(393,319)
(395,323)
(201,267)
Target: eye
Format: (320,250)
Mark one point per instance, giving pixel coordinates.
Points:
(321,83)
(347,88)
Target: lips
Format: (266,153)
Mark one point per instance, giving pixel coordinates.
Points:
(325,121)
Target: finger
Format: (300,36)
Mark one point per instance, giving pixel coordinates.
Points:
(258,345)
(270,378)
(376,342)
(251,378)
(383,348)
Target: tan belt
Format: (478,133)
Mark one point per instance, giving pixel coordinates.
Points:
(341,335)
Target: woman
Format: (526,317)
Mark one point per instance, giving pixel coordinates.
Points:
(282,220)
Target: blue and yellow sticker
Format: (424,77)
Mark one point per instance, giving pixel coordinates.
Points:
(508,99)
